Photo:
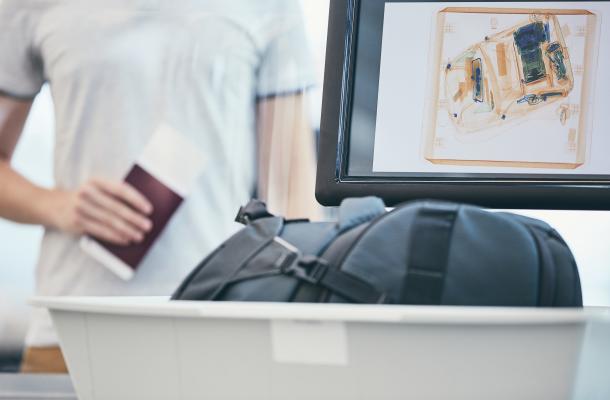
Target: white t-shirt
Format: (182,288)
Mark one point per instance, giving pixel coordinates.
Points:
(117,69)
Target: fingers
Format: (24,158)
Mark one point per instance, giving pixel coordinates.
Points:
(103,232)
(93,213)
(124,192)
(115,209)
(113,212)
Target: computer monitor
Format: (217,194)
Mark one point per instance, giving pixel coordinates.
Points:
(502,104)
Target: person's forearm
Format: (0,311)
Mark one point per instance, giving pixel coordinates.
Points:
(301,200)
(287,158)
(22,201)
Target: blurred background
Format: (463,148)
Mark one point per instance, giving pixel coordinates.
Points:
(586,232)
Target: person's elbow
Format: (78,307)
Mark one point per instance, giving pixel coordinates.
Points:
(13,114)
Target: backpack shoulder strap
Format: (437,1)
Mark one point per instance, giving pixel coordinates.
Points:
(429,253)
(318,272)
(547,279)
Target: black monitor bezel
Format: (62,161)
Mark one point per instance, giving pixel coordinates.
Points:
(334,184)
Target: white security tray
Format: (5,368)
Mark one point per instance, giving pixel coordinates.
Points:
(151,348)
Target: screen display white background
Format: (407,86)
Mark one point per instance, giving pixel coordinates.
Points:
(402,108)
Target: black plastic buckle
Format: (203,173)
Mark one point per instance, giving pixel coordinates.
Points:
(308,268)
(312,269)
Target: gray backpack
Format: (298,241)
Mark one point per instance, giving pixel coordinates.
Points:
(424,252)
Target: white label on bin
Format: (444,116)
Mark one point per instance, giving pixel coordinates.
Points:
(309,342)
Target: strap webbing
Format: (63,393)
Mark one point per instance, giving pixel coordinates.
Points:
(316,271)
(351,288)
(429,254)
(547,278)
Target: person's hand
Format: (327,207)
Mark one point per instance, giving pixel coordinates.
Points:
(112,211)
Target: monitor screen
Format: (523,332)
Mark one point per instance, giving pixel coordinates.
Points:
(511,96)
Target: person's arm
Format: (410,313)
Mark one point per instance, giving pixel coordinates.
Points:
(287,162)
(111,211)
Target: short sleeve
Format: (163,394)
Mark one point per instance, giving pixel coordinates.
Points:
(21,74)
(286,64)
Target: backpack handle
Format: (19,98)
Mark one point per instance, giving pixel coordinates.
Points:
(255,209)
(356,211)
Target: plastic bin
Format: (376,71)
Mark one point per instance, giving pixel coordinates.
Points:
(151,348)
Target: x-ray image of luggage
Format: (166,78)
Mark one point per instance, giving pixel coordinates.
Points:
(498,71)
(531,69)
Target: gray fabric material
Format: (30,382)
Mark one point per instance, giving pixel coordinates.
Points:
(492,259)
(356,211)
(311,238)
(380,256)
(227,260)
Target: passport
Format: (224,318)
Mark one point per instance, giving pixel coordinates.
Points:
(165,174)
